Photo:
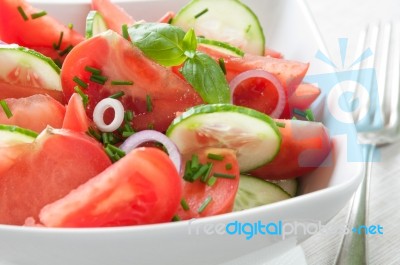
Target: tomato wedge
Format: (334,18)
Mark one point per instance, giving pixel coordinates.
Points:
(141,188)
(221,194)
(75,115)
(30,33)
(304,95)
(35,112)
(57,162)
(118,59)
(305,145)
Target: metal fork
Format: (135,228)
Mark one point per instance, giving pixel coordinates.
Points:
(377,124)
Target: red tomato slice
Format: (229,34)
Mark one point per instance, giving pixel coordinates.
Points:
(305,145)
(57,162)
(75,115)
(120,60)
(114,15)
(31,33)
(35,112)
(141,188)
(223,192)
(256,93)
(303,96)
(20,91)
(289,73)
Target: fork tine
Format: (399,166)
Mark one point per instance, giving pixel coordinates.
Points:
(382,59)
(393,75)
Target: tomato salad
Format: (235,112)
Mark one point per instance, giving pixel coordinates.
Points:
(143,122)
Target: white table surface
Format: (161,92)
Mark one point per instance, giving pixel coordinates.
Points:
(345,19)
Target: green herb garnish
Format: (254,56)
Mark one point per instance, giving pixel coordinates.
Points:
(38,14)
(5,108)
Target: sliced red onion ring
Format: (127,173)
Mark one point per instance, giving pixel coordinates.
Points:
(153,136)
(98,114)
(276,113)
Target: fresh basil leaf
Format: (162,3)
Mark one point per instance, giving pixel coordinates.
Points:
(160,42)
(207,78)
(190,43)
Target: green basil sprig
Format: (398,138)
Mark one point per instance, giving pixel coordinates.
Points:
(170,46)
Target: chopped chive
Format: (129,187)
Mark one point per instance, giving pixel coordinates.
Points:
(128,128)
(85,98)
(70,25)
(93,70)
(205,203)
(66,50)
(221,63)
(184,205)
(309,115)
(280,124)
(222,175)
(201,13)
(125,32)
(194,165)
(121,83)
(58,62)
(228,166)
(109,153)
(149,104)
(38,14)
(105,138)
(99,79)
(116,150)
(94,133)
(127,134)
(150,126)
(58,45)
(22,12)
(204,178)
(176,218)
(188,174)
(211,181)
(80,82)
(6,109)
(299,112)
(128,115)
(201,172)
(117,95)
(215,157)
(169,21)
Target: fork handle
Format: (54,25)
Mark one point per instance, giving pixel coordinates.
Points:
(353,249)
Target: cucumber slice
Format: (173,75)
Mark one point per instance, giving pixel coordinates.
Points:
(253,135)
(288,185)
(11,135)
(23,66)
(95,24)
(221,47)
(253,192)
(225,20)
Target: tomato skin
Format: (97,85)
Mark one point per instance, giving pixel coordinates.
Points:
(75,115)
(120,60)
(35,112)
(20,91)
(30,33)
(114,15)
(223,192)
(304,95)
(57,162)
(305,145)
(141,188)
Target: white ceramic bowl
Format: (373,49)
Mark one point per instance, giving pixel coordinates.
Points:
(289,28)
